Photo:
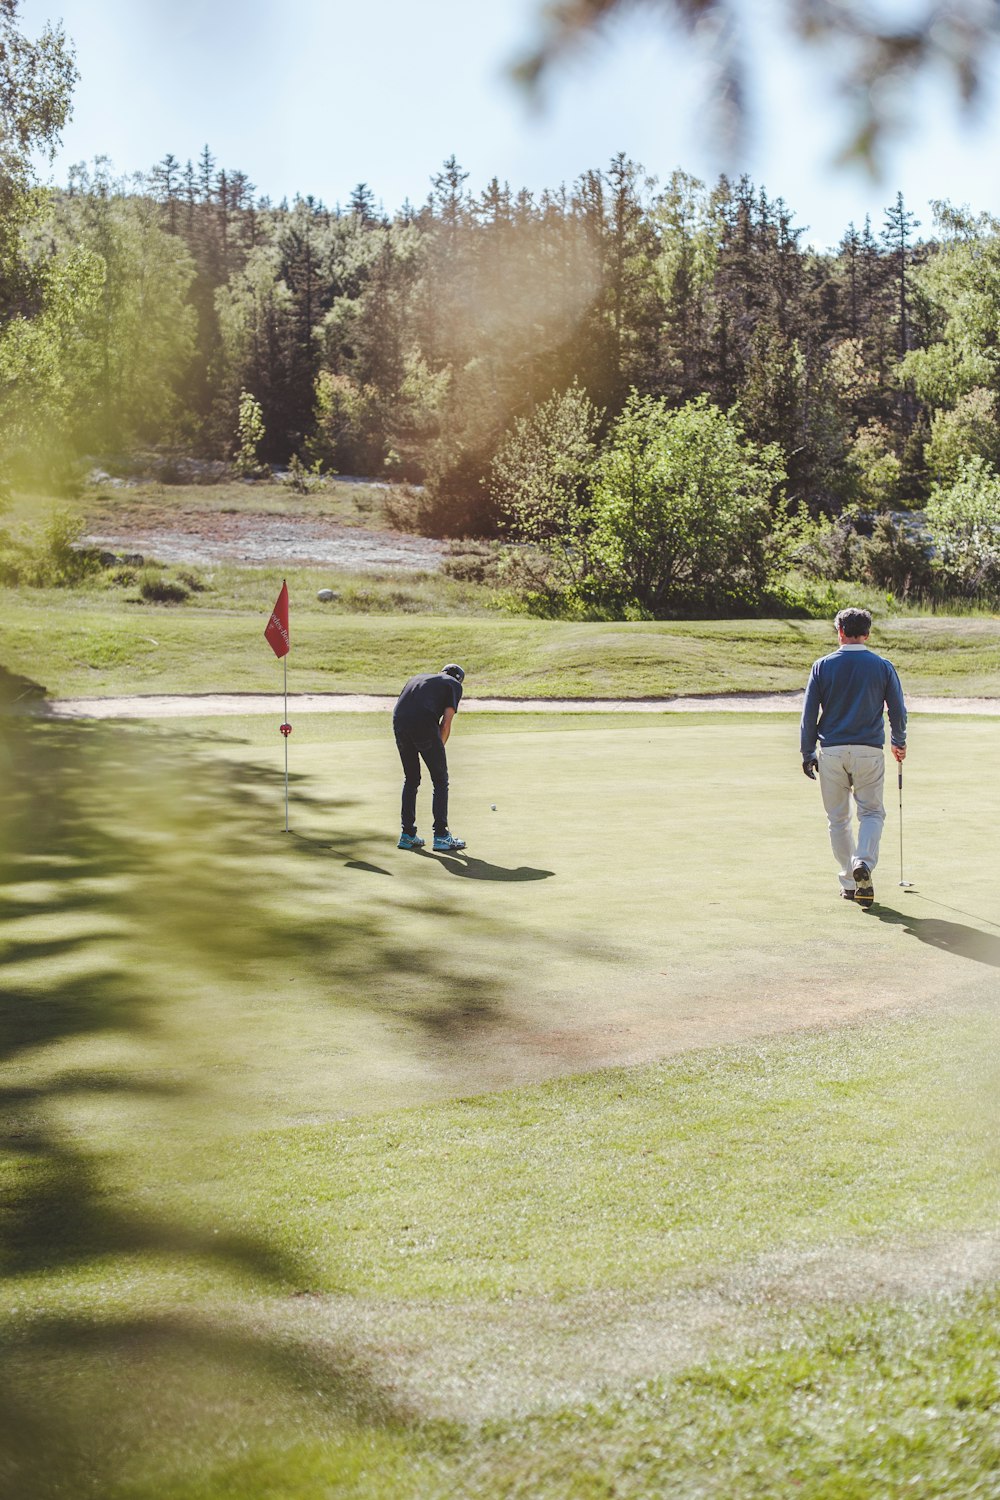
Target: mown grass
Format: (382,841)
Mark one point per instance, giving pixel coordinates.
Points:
(872,1401)
(81,644)
(555,1196)
(693,1165)
(875,1401)
(230,1270)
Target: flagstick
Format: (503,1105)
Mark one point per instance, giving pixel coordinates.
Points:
(276,635)
(285,737)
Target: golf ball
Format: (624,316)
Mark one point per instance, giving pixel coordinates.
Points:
(493,807)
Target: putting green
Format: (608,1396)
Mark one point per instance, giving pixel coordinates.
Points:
(642,888)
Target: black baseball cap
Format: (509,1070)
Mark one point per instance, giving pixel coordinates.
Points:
(453,670)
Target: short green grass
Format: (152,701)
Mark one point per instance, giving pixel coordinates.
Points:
(311,1187)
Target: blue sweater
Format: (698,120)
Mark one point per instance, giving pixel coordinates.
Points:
(845,697)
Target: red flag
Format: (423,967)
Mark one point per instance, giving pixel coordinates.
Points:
(276,631)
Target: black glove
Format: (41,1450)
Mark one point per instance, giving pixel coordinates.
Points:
(810,765)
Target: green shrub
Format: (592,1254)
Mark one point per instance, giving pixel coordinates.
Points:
(54,558)
(156,589)
(828,549)
(192,582)
(542,476)
(455,502)
(968,430)
(300,478)
(964,522)
(895,557)
(13,557)
(121,576)
(472,562)
(249,436)
(683,512)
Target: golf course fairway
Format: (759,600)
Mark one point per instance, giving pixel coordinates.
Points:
(616,1157)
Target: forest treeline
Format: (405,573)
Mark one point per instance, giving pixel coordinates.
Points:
(407,345)
(656,388)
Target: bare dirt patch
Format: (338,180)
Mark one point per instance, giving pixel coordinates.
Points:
(203,538)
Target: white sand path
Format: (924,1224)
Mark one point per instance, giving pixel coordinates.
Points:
(198,705)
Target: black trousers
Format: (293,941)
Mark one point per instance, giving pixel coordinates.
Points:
(413,746)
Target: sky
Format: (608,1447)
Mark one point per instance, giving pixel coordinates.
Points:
(315,96)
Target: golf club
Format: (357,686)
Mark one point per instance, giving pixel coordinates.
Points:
(906,884)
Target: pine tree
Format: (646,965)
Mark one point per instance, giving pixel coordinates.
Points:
(362,204)
(896,236)
(206,175)
(166,179)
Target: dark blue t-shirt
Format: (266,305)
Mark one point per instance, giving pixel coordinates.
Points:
(421,704)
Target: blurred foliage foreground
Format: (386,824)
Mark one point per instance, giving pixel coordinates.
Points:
(146,911)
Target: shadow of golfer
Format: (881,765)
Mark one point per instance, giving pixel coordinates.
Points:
(953,937)
(478,869)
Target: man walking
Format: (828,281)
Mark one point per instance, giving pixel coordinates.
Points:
(846,696)
(421,722)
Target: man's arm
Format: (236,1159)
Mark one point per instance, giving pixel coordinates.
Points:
(897,714)
(810,717)
(446,719)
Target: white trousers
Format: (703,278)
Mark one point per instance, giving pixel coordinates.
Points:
(857,769)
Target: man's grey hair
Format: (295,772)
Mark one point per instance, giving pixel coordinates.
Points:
(854,621)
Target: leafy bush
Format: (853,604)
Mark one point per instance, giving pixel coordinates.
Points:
(11,562)
(896,557)
(875,469)
(964,522)
(303,480)
(455,501)
(156,589)
(828,549)
(968,430)
(471,562)
(683,511)
(542,477)
(52,557)
(121,576)
(532,581)
(249,436)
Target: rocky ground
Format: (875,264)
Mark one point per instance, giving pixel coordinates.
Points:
(203,538)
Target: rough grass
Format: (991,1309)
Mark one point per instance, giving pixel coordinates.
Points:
(83,644)
(346,502)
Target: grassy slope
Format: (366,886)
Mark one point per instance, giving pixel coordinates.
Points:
(104,641)
(87,644)
(254,989)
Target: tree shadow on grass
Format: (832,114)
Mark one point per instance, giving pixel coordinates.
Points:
(470,868)
(85,1403)
(130,874)
(951,937)
(309,845)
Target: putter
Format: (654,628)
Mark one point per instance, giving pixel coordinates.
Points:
(906,884)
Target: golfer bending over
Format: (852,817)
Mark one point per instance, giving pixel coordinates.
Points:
(421,722)
(845,698)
